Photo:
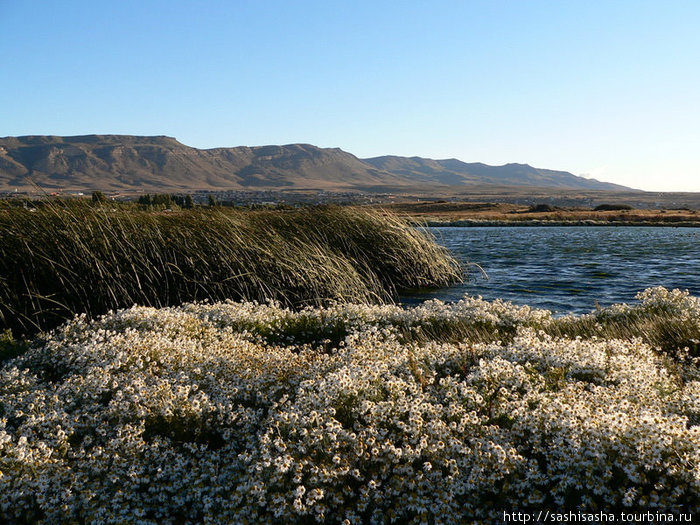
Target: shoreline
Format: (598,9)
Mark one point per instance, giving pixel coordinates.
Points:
(471,214)
(475,223)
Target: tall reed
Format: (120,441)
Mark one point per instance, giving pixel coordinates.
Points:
(62,259)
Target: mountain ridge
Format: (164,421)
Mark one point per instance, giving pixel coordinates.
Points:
(159,162)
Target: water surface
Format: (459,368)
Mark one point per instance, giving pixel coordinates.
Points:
(570,268)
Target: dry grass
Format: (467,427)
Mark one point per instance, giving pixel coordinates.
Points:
(63,259)
(505,212)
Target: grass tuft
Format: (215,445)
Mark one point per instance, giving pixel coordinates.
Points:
(69,258)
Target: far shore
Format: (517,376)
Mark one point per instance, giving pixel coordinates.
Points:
(475,214)
(470,223)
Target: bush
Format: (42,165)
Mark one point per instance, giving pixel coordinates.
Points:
(612,207)
(98,197)
(184,414)
(542,208)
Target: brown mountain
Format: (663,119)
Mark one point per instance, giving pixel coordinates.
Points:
(456,172)
(125,162)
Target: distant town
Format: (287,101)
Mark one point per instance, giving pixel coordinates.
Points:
(226,198)
(294,198)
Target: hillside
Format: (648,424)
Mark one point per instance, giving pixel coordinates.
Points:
(456,172)
(125,162)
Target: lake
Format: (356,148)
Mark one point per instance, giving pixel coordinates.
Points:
(569,268)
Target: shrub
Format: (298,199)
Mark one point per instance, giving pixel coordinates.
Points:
(184,414)
(98,197)
(542,208)
(612,207)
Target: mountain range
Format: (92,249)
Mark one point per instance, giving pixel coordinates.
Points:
(160,163)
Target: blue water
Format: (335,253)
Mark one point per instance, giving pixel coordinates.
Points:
(569,268)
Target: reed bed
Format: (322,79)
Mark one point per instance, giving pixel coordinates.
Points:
(59,260)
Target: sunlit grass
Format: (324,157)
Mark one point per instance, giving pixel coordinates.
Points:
(65,259)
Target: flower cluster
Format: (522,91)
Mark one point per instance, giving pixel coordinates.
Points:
(677,302)
(244,413)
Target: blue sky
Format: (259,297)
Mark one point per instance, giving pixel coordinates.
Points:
(603,89)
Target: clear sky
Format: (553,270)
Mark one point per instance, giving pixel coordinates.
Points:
(607,89)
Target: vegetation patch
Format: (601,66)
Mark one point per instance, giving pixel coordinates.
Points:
(10,347)
(68,258)
(612,207)
(542,208)
(442,413)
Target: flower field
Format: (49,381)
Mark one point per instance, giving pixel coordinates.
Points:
(441,413)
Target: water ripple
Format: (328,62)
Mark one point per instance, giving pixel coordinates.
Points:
(570,269)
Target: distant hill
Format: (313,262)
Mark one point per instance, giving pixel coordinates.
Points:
(456,172)
(125,162)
